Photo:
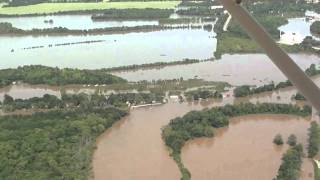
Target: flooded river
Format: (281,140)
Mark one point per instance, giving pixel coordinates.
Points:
(252,69)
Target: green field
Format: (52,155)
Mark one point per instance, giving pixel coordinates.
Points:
(47,8)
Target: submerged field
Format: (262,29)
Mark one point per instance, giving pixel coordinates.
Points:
(47,8)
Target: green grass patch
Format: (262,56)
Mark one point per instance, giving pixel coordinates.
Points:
(48,8)
(230,44)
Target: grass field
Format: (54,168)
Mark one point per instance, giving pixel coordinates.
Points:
(47,8)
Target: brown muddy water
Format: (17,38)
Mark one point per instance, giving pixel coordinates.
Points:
(244,150)
(251,69)
(133,148)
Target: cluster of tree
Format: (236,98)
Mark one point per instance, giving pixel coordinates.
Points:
(246,90)
(15,3)
(8,29)
(299,97)
(37,74)
(308,42)
(199,11)
(52,145)
(135,98)
(314,140)
(202,94)
(312,70)
(178,21)
(197,3)
(278,139)
(81,100)
(287,8)
(148,13)
(315,28)
(45,102)
(291,164)
(153,65)
(201,123)
(292,140)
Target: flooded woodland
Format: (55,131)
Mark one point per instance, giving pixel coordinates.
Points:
(133,147)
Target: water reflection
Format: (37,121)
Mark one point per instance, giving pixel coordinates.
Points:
(70,22)
(115,50)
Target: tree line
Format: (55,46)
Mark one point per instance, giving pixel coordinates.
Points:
(313,140)
(7,29)
(148,13)
(202,94)
(81,100)
(37,74)
(291,164)
(201,124)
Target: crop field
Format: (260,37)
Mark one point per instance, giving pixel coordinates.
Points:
(47,8)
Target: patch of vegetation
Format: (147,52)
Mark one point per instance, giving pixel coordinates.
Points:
(314,140)
(8,29)
(149,13)
(298,97)
(278,140)
(291,164)
(52,145)
(154,65)
(58,8)
(37,74)
(51,102)
(202,94)
(315,28)
(178,21)
(197,124)
(200,11)
(292,140)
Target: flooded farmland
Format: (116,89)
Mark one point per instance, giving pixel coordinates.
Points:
(110,50)
(251,69)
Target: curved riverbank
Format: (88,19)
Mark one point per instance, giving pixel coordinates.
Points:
(247,140)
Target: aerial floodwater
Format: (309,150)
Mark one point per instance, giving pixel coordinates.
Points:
(244,150)
(133,149)
(238,69)
(119,135)
(111,50)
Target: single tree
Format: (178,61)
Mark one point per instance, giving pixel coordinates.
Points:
(278,139)
(292,140)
